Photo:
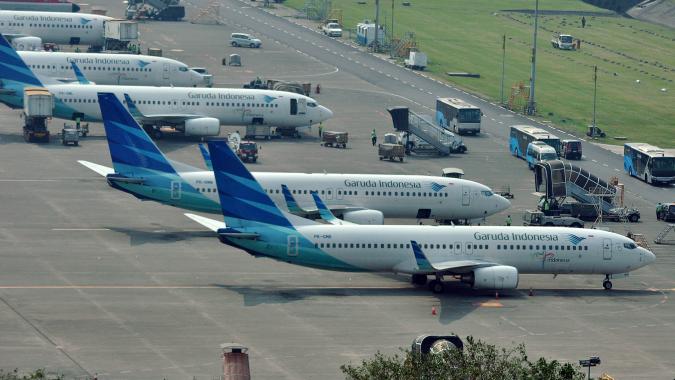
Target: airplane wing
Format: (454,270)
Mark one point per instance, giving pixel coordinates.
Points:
(173,119)
(325,213)
(100,169)
(449,266)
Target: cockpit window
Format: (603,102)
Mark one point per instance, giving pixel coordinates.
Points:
(487,193)
(311,104)
(630,245)
(183,69)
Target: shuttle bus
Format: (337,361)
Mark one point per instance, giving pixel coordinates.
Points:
(458,116)
(522,135)
(649,163)
(538,151)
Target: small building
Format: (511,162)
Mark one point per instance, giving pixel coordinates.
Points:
(365,33)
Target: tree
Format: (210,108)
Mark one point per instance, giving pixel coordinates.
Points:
(478,361)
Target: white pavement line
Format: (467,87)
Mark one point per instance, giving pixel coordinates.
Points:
(80,229)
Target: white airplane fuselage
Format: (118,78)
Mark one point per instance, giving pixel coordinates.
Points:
(55,27)
(395,196)
(112,69)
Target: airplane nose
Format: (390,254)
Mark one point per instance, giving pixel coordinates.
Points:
(325,113)
(502,203)
(649,257)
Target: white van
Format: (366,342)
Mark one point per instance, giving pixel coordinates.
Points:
(538,151)
(243,39)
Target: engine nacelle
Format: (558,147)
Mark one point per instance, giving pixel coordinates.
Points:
(27,43)
(203,126)
(494,277)
(364,217)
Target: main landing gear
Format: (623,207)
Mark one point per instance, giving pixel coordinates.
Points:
(607,284)
(419,279)
(435,285)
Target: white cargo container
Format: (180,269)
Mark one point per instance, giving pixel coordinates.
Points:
(121,30)
(416,61)
(37,102)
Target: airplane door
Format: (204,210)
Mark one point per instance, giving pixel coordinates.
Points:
(292,247)
(302,106)
(294,106)
(166,74)
(466,196)
(175,190)
(468,248)
(606,249)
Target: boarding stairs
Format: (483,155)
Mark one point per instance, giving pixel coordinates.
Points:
(425,129)
(562,179)
(661,237)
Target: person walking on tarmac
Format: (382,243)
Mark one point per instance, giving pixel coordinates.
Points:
(373,137)
(508,221)
(320,129)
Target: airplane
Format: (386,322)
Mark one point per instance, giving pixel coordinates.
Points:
(24,27)
(486,257)
(39,5)
(113,69)
(196,112)
(140,168)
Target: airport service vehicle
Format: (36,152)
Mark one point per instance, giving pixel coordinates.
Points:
(332,29)
(39,5)
(142,170)
(590,212)
(247,151)
(486,257)
(163,10)
(538,218)
(538,151)
(458,116)
(53,27)
(416,60)
(243,39)
(452,173)
(562,41)
(194,111)
(37,110)
(665,211)
(649,163)
(522,135)
(114,69)
(207,77)
(571,149)
(69,135)
(334,138)
(391,152)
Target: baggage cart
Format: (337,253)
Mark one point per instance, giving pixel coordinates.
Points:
(336,139)
(391,151)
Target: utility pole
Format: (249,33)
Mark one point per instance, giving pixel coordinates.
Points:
(377,24)
(391,32)
(501,91)
(532,104)
(595,92)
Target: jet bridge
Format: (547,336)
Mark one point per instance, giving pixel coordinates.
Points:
(559,179)
(422,131)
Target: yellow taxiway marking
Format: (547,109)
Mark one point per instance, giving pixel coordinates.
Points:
(491,303)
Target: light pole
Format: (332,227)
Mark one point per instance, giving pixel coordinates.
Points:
(501,91)
(377,25)
(391,33)
(532,104)
(595,92)
(590,362)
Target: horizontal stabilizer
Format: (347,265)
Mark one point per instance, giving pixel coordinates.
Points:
(122,179)
(213,225)
(100,169)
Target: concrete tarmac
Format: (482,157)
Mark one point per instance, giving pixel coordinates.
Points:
(94,281)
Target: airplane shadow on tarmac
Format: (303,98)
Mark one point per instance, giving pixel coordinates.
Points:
(160,235)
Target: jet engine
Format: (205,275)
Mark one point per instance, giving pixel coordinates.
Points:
(494,277)
(27,43)
(364,217)
(203,126)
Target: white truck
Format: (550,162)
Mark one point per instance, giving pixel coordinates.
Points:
(332,29)
(416,60)
(563,41)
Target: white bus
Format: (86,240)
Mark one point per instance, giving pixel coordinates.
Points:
(458,116)
(649,162)
(522,135)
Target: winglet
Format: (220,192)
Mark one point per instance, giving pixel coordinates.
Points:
(206,156)
(290,201)
(423,263)
(132,107)
(242,200)
(324,212)
(13,68)
(78,74)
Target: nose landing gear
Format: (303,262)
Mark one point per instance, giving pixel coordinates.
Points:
(607,284)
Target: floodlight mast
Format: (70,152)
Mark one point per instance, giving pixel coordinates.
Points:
(531,103)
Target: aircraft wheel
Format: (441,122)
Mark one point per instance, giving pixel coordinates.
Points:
(419,279)
(607,284)
(436,286)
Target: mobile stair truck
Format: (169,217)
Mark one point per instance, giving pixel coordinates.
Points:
(38,105)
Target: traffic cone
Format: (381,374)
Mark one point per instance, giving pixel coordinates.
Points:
(433,310)
(531,292)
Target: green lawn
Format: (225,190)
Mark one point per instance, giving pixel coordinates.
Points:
(466,36)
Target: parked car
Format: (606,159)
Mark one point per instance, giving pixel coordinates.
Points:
(332,29)
(243,39)
(571,149)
